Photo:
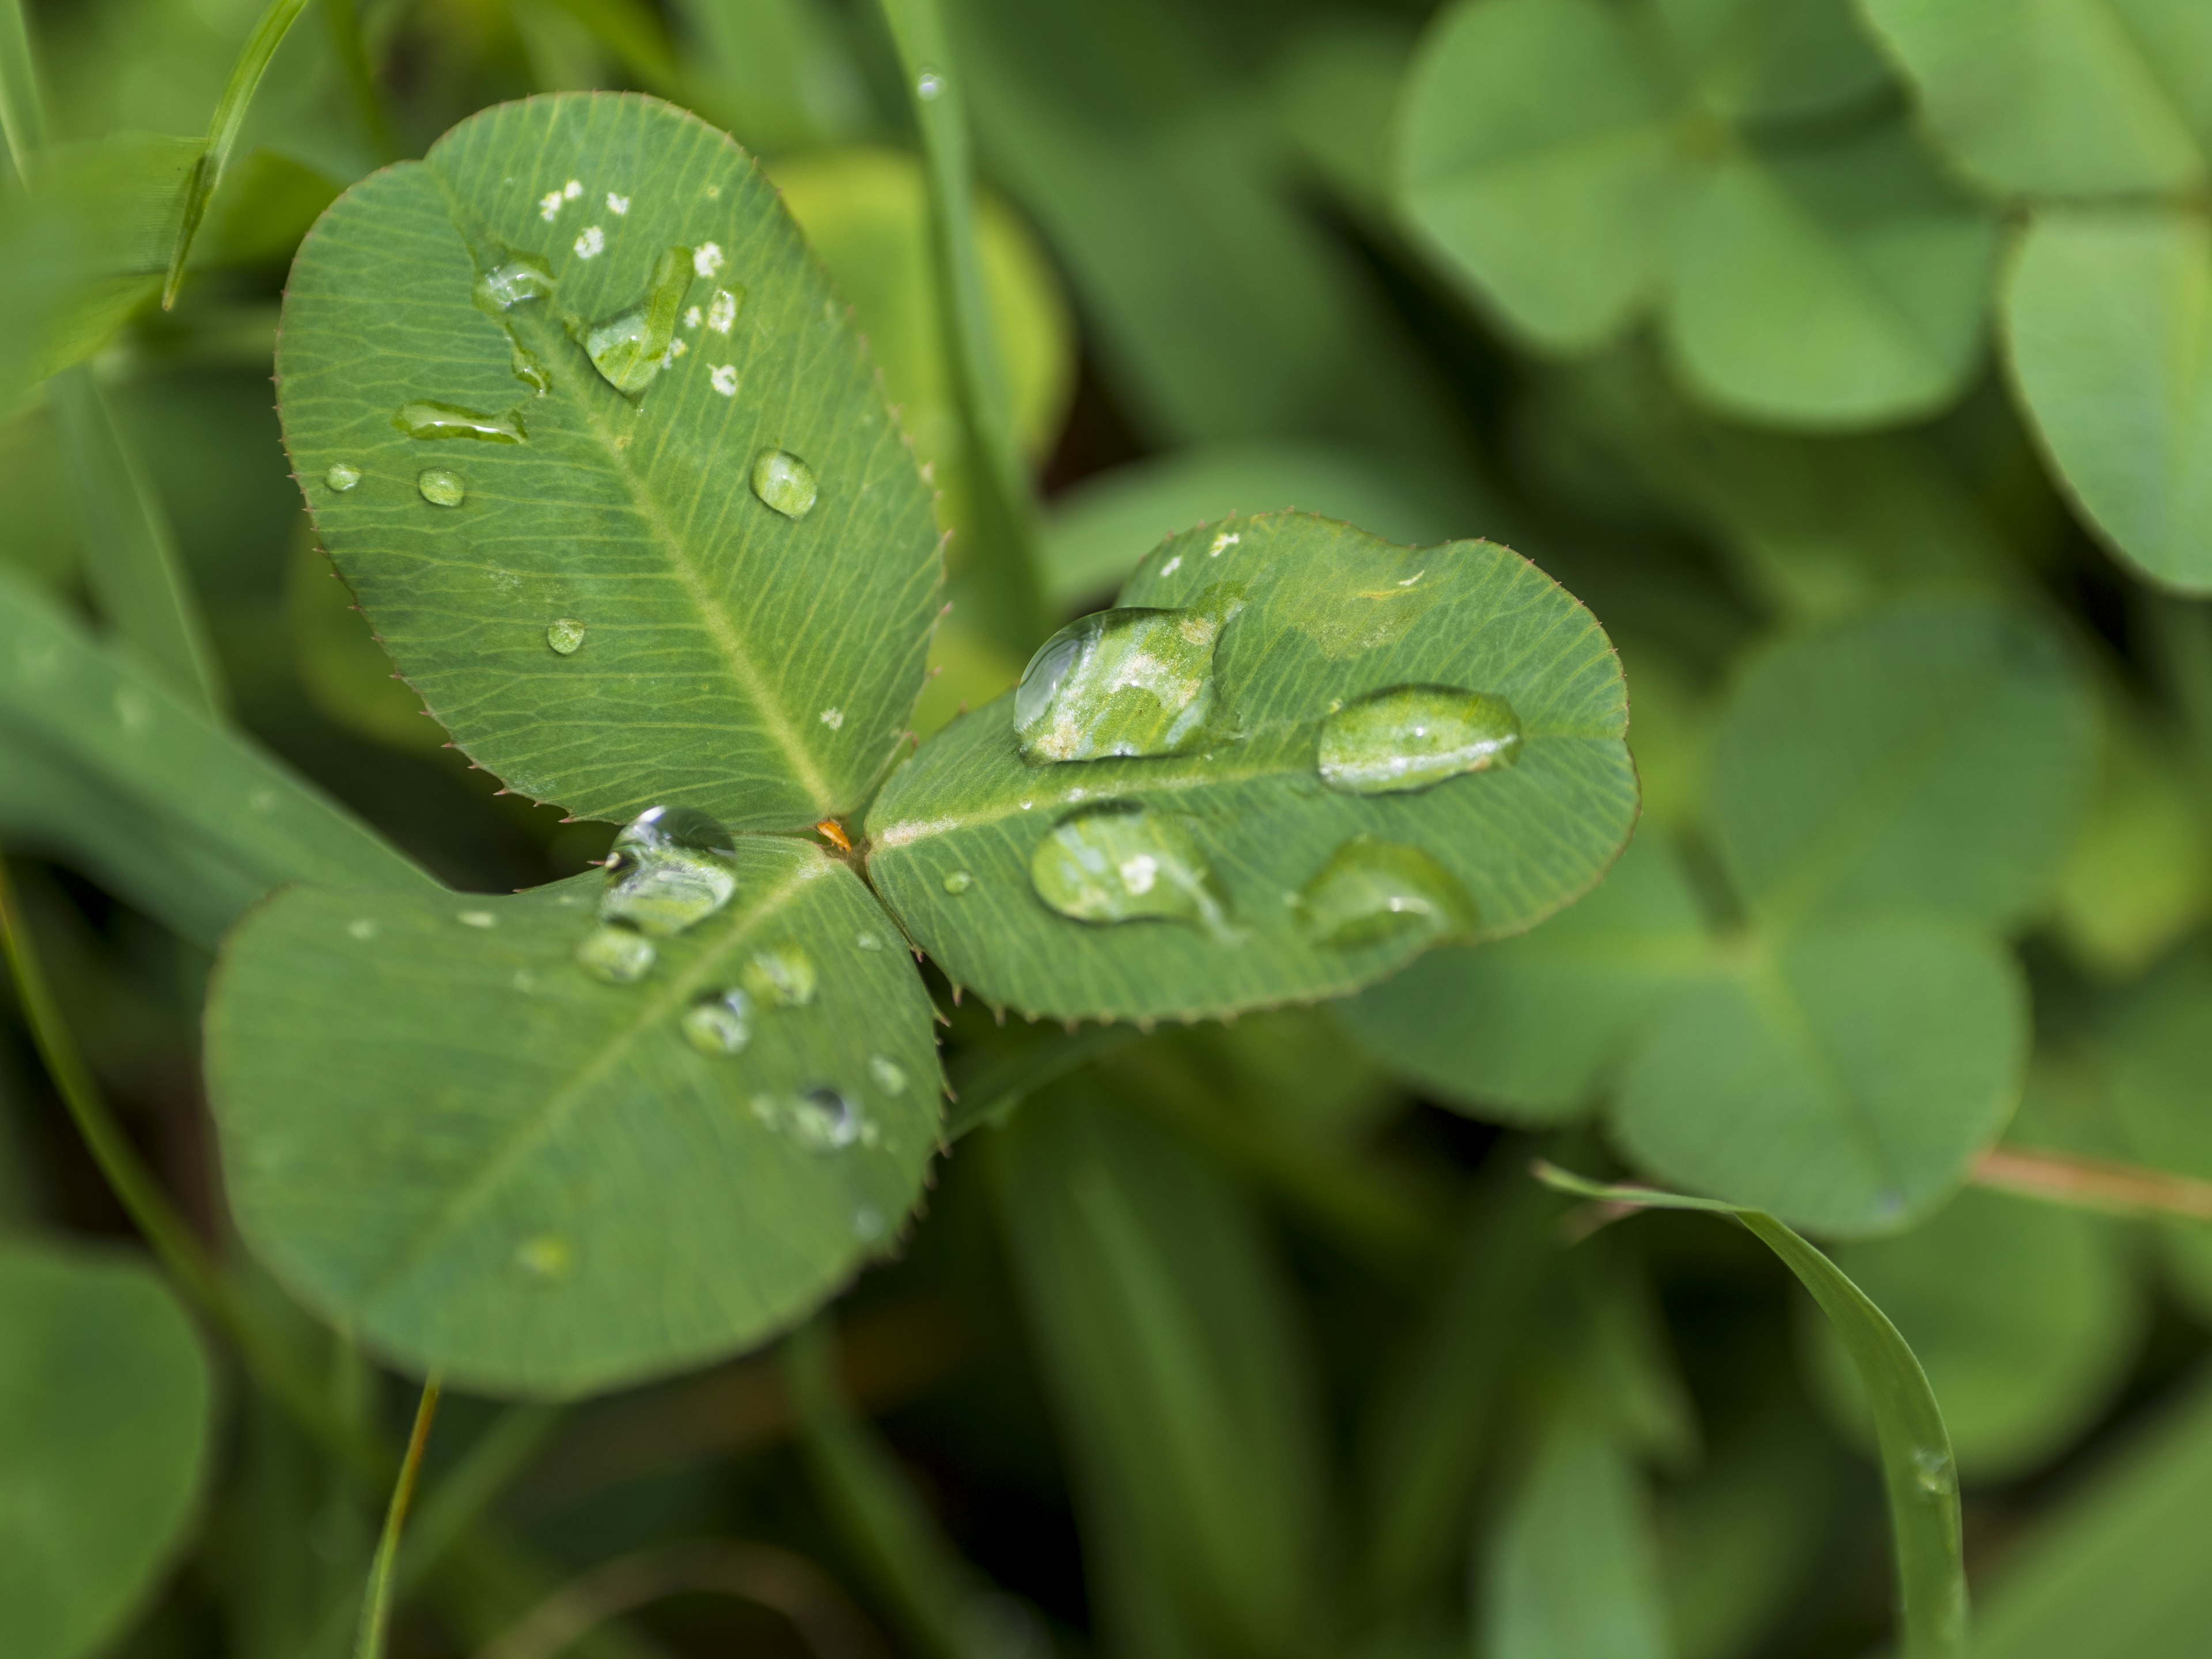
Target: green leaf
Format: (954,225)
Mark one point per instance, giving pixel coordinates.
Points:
(2025,1315)
(2061,97)
(714,671)
(1922,1482)
(967,838)
(1573,1570)
(1169,1348)
(533,1181)
(1529,1029)
(2155,1044)
(1760,61)
(2103,319)
(106,1408)
(1936,756)
(104,768)
(2139,880)
(1844,1076)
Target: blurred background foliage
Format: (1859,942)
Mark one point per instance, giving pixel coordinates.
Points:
(1847,361)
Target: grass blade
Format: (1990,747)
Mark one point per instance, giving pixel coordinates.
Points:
(223,132)
(23,113)
(376,1603)
(1917,1468)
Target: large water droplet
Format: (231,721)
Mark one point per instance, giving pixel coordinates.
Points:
(957,881)
(441,487)
(627,350)
(512,282)
(615,956)
(668,871)
(824,1121)
(720,1023)
(343,476)
(1413,736)
(783,975)
(1372,890)
(1118,683)
(784,481)
(565,635)
(1126,864)
(424,419)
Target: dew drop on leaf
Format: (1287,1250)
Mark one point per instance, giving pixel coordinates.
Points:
(1933,1472)
(1126,864)
(867,942)
(784,481)
(341,476)
(526,367)
(719,1024)
(958,882)
(867,1223)
(512,282)
(1118,683)
(548,1258)
(615,956)
(627,350)
(1413,736)
(424,419)
(824,1121)
(441,487)
(890,1075)
(565,635)
(668,871)
(1373,891)
(781,973)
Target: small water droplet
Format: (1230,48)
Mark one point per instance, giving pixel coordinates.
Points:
(477,919)
(547,1258)
(929,85)
(722,309)
(720,1023)
(361,928)
(783,975)
(1933,1471)
(424,419)
(668,871)
(341,476)
(565,635)
(441,487)
(1373,891)
(616,955)
(524,364)
(1415,736)
(512,282)
(784,481)
(628,351)
(867,1223)
(890,1075)
(958,882)
(867,941)
(1130,682)
(1123,863)
(824,1121)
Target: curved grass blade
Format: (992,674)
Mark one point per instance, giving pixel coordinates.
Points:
(1917,1465)
(383,1577)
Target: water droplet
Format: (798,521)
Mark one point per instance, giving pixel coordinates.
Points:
(512,282)
(824,1121)
(615,956)
(565,635)
(627,350)
(341,476)
(928,85)
(668,871)
(889,1076)
(1118,683)
(1413,736)
(1372,890)
(424,419)
(1932,1472)
(784,482)
(1123,863)
(722,310)
(781,973)
(867,942)
(867,1223)
(526,367)
(958,882)
(546,1257)
(441,487)
(477,919)
(720,1023)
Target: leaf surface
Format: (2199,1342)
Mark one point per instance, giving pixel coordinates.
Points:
(735,657)
(533,1181)
(1323,616)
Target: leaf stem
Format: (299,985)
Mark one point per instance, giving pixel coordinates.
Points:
(376,1600)
(2091,1183)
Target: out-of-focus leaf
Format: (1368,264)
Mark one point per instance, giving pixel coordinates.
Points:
(477,1193)
(2139,876)
(105,1410)
(1762,61)
(339,662)
(2154,1045)
(266,204)
(2061,97)
(2023,1315)
(1936,756)
(1530,1029)
(1335,89)
(39,533)
(776,72)
(1170,1349)
(1267,857)
(2101,317)
(103,768)
(712,671)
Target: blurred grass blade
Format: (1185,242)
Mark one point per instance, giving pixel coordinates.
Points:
(989,1095)
(996,579)
(1917,1465)
(635,37)
(352,48)
(22,112)
(131,555)
(223,132)
(383,1577)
